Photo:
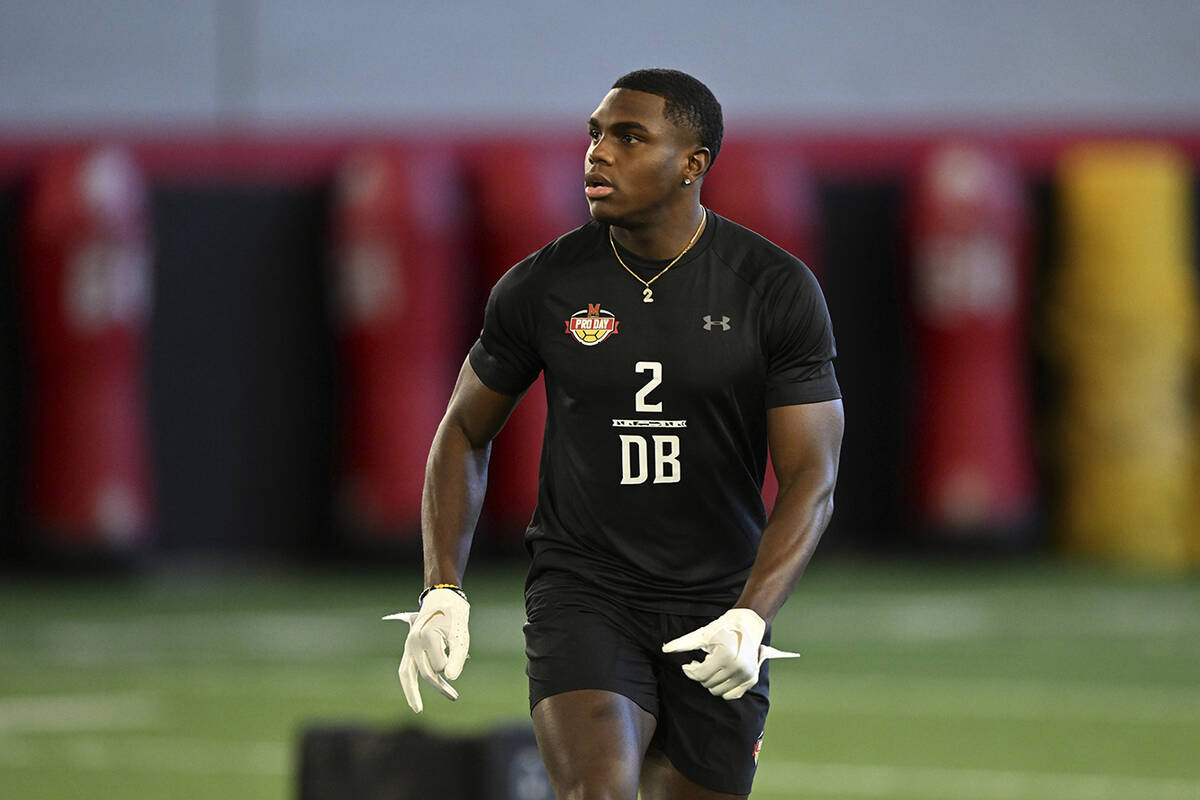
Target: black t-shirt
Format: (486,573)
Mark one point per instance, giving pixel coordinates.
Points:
(655,444)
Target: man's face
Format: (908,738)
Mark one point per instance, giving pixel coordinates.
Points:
(635,164)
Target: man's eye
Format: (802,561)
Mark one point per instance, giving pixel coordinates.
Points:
(629,138)
(595,135)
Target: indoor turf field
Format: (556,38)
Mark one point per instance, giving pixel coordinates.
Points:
(1016,681)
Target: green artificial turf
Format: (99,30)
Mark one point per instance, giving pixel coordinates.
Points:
(1026,681)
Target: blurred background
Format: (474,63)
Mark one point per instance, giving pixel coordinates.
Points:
(245,245)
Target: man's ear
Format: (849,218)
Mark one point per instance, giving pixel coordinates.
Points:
(697,164)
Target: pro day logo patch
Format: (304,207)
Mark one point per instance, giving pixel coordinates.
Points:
(592,325)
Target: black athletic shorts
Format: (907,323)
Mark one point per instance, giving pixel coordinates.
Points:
(580,638)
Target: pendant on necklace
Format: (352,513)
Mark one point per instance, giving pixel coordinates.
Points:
(647,295)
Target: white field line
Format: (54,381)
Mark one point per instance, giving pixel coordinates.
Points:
(347,634)
(990,698)
(921,618)
(79,712)
(918,697)
(151,755)
(294,637)
(870,695)
(934,783)
(272,759)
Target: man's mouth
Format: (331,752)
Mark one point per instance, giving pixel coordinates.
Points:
(596,186)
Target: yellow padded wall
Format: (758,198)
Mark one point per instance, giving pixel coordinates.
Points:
(1123,325)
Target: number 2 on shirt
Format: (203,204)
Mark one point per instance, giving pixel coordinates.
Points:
(639,399)
(635,449)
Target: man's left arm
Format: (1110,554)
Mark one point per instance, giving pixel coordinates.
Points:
(805,442)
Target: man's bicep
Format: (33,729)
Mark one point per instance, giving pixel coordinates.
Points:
(806,439)
(478,411)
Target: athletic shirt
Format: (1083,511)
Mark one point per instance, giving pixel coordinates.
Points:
(655,443)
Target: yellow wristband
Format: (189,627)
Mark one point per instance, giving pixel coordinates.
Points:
(451,586)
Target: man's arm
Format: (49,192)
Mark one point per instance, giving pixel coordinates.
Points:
(455,482)
(456,475)
(805,442)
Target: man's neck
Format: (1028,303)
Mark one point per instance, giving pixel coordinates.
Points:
(663,239)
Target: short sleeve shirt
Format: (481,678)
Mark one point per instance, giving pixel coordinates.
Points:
(655,445)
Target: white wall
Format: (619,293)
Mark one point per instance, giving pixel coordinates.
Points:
(354,62)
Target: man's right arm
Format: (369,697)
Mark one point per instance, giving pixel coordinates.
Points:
(455,482)
(456,475)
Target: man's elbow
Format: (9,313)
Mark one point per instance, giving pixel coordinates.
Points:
(454,432)
(827,505)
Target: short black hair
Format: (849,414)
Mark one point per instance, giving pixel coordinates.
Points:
(690,104)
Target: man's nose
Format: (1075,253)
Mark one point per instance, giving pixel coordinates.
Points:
(598,152)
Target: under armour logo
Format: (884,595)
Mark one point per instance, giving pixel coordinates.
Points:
(708,322)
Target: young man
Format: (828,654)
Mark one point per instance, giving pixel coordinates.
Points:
(675,345)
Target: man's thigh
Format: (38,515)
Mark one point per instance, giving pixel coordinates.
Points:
(593,743)
(592,693)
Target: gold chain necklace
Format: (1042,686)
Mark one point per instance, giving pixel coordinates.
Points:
(648,293)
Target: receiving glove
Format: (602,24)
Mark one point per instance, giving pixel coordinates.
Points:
(733,642)
(437,644)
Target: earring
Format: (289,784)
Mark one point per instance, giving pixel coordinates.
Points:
(687,181)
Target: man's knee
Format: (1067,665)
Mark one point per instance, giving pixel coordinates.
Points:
(595,778)
(595,789)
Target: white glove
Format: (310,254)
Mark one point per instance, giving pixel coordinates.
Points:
(733,642)
(436,645)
